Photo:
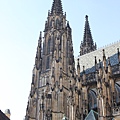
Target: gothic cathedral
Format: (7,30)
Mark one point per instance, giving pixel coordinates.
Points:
(62,87)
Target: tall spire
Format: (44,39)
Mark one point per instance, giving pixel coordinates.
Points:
(87,32)
(87,45)
(57,7)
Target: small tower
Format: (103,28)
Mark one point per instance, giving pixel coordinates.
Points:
(87,45)
(7,113)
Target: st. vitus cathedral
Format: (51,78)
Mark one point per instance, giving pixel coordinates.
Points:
(68,88)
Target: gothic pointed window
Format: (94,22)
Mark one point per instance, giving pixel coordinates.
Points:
(40,82)
(50,23)
(117,86)
(92,98)
(48,46)
(43,48)
(57,23)
(47,62)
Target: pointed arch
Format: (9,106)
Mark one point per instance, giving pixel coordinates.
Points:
(48,45)
(50,22)
(92,99)
(57,22)
(48,62)
(117,86)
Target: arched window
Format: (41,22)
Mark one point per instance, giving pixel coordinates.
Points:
(117,86)
(43,48)
(57,23)
(92,99)
(50,23)
(47,62)
(48,46)
(40,83)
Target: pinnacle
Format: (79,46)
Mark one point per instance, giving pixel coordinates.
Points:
(86,17)
(88,44)
(57,7)
(87,33)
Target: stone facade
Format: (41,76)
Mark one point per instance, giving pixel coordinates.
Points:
(61,88)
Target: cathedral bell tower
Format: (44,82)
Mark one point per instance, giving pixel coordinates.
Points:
(57,42)
(54,64)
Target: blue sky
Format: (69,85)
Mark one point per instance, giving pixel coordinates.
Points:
(20,24)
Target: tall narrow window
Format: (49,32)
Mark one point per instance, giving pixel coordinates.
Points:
(57,23)
(92,98)
(47,62)
(48,47)
(117,86)
(43,48)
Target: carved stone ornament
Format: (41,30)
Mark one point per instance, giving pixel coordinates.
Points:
(34,100)
(78,115)
(48,114)
(99,92)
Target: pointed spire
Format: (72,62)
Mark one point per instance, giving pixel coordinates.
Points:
(100,69)
(118,55)
(109,67)
(87,32)
(38,54)
(95,60)
(40,40)
(104,54)
(104,60)
(78,66)
(57,7)
(96,68)
(84,75)
(100,66)
(83,69)
(88,44)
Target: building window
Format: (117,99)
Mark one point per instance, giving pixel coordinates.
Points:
(47,62)
(43,48)
(57,23)
(48,46)
(40,83)
(117,86)
(92,99)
